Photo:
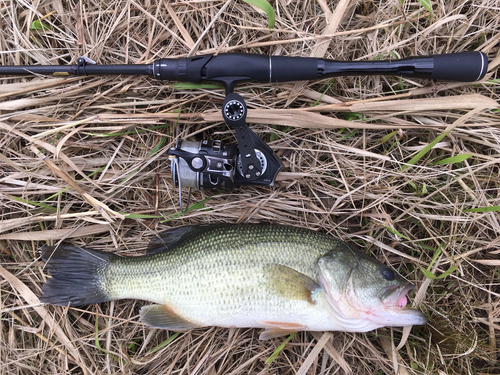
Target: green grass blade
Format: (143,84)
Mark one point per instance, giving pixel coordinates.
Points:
(427,274)
(196,206)
(483,209)
(192,86)
(39,25)
(140,216)
(162,141)
(50,208)
(387,137)
(98,345)
(273,356)
(274,136)
(446,273)
(56,194)
(330,83)
(128,177)
(127,133)
(266,7)
(394,231)
(426,149)
(158,146)
(132,347)
(351,116)
(435,257)
(431,276)
(350,134)
(426,4)
(164,343)
(66,189)
(454,159)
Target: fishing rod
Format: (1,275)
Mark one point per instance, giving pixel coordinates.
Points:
(211,164)
(231,68)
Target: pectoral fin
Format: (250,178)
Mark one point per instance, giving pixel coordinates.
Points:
(291,284)
(162,316)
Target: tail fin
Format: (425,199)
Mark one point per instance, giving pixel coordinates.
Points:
(78,275)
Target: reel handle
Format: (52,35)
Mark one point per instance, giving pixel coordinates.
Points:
(234,111)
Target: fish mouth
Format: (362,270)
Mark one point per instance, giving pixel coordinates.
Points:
(396,312)
(396,296)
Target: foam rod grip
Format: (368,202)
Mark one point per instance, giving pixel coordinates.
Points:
(462,66)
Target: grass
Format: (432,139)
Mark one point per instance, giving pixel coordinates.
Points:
(406,169)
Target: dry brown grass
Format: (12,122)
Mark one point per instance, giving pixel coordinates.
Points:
(340,178)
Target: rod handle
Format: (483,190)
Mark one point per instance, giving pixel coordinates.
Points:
(462,66)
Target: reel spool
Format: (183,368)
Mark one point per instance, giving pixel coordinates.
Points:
(214,165)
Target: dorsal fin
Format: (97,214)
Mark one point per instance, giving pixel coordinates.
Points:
(170,238)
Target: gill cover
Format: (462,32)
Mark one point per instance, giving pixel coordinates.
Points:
(363,293)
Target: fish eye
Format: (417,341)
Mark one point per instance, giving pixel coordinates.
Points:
(388,274)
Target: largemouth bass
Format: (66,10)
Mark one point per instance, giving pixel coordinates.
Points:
(283,279)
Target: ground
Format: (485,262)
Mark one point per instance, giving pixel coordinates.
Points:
(406,168)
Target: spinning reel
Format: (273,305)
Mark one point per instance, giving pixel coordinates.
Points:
(211,164)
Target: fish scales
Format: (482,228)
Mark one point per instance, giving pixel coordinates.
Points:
(280,278)
(220,272)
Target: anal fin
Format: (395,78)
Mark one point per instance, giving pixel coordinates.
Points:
(162,316)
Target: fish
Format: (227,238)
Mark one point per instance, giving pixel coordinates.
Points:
(281,279)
